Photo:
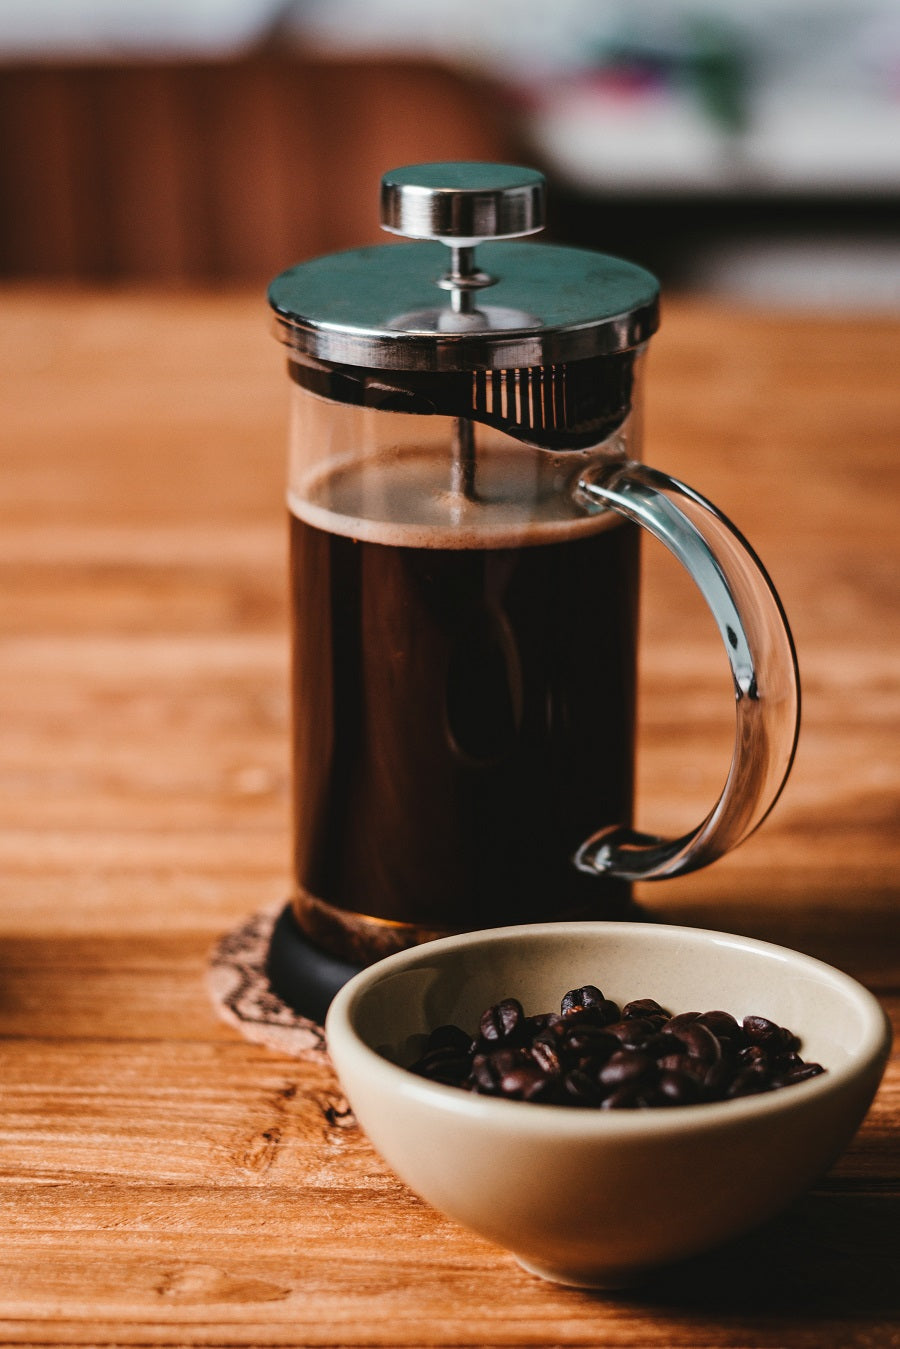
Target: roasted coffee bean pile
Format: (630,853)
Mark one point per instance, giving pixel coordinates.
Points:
(594,1053)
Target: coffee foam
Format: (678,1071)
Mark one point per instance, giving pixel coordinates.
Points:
(403,499)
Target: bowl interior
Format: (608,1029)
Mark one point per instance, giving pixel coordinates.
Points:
(395,1004)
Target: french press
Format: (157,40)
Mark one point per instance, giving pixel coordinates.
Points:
(466,499)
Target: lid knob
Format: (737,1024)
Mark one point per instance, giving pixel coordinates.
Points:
(462,204)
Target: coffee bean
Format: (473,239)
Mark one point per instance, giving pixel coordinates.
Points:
(555,1026)
(723,1026)
(592,1054)
(525,1082)
(444,1064)
(631,1034)
(449,1037)
(588,995)
(750,1081)
(627,1065)
(503,1020)
(692,1067)
(580,1088)
(800,1073)
(678,1088)
(758,1028)
(657,1045)
(717,1079)
(548,1060)
(675,1024)
(627,1097)
(589,1042)
(700,1042)
(484,1075)
(488,1070)
(768,1034)
(645,1009)
(451,1071)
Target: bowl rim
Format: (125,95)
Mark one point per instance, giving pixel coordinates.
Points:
(353,1053)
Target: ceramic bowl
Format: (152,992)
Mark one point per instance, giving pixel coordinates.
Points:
(588,1197)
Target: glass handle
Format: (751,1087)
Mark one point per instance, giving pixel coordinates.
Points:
(761,653)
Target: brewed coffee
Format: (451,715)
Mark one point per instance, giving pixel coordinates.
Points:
(463,695)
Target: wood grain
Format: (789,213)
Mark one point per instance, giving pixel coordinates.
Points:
(162,1182)
(179,170)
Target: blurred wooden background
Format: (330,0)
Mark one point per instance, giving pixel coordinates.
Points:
(217,171)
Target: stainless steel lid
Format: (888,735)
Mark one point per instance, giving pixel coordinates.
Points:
(420,307)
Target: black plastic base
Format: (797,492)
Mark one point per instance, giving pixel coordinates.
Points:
(306,978)
(300,974)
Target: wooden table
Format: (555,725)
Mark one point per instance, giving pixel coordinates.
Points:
(163,1180)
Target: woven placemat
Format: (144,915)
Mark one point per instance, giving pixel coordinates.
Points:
(240,991)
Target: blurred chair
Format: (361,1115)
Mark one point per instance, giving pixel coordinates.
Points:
(184,172)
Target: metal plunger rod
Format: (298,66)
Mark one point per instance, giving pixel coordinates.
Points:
(462,266)
(462,471)
(462,468)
